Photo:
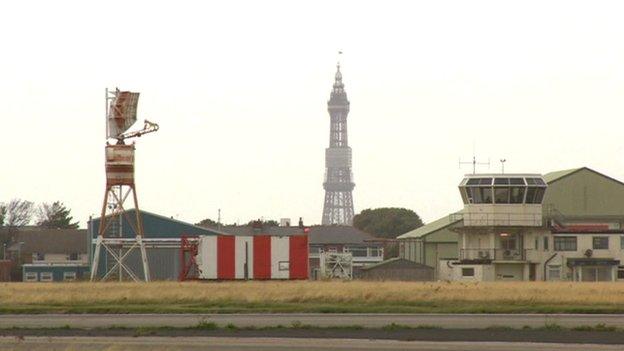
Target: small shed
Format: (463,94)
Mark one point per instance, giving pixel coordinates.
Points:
(398,269)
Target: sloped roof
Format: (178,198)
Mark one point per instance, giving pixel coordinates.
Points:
(51,241)
(430,228)
(395,259)
(199,229)
(554,176)
(318,234)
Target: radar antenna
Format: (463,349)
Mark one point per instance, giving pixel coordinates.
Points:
(121,111)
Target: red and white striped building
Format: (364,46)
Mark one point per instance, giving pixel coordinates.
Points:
(228,257)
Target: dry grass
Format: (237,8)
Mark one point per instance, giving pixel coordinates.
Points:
(306,292)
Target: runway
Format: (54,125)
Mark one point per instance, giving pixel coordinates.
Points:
(451,321)
(270,344)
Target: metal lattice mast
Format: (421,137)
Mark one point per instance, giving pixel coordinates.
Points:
(338,185)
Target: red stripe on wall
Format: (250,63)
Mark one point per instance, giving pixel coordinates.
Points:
(298,257)
(225,257)
(262,257)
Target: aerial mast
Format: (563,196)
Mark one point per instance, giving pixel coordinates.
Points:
(121,111)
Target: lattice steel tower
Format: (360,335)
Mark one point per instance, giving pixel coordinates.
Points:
(338,185)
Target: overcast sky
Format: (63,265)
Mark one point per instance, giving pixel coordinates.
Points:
(240,91)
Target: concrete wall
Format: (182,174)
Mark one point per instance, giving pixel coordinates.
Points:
(503,214)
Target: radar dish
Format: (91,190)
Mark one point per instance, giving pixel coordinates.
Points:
(122,112)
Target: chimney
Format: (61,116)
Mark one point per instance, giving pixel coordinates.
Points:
(300,222)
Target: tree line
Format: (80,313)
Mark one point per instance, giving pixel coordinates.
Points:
(18,213)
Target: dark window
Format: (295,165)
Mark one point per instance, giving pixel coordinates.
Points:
(473,181)
(501,195)
(621,272)
(485,181)
(539,195)
(622,242)
(600,243)
(516,181)
(530,181)
(501,181)
(517,195)
(474,195)
(545,243)
(486,195)
(467,272)
(565,243)
(38,256)
(539,181)
(530,194)
(535,195)
(73,256)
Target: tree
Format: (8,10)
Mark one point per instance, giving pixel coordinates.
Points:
(208,223)
(18,213)
(387,222)
(3,210)
(55,215)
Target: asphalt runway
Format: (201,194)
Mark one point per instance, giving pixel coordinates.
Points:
(450,321)
(270,344)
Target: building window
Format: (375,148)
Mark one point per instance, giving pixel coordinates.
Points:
(332,250)
(284,265)
(72,256)
(501,195)
(546,243)
(517,195)
(554,272)
(45,276)
(30,276)
(622,242)
(314,250)
(620,273)
(536,244)
(600,243)
(467,272)
(565,243)
(69,276)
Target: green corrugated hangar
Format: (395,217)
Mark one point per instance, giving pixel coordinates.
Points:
(582,232)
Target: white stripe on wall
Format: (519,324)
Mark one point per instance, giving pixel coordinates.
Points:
(279,253)
(207,257)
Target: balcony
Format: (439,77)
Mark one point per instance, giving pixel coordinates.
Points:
(493,254)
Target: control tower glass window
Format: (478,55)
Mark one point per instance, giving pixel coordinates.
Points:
(502,190)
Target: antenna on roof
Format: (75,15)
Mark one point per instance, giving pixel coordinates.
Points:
(474,162)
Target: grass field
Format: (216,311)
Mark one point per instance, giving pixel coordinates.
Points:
(308,296)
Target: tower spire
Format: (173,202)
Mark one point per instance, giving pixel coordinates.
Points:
(338,185)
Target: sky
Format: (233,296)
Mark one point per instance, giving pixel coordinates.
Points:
(240,90)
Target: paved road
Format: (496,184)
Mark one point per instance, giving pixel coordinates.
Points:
(270,344)
(455,321)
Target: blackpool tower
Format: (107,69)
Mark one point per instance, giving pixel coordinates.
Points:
(338,185)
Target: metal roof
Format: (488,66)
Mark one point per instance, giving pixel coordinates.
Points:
(318,234)
(396,259)
(553,176)
(430,228)
(50,241)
